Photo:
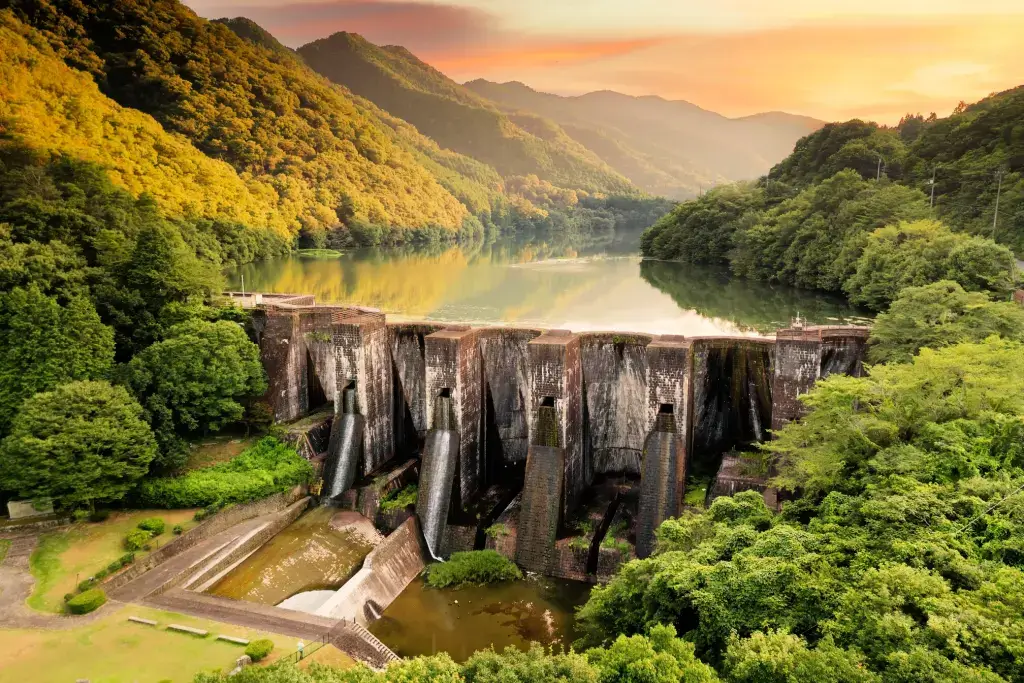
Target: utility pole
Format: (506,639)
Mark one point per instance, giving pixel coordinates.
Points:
(878,175)
(999,189)
(931,204)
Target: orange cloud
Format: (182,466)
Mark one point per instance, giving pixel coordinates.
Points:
(531,54)
(871,70)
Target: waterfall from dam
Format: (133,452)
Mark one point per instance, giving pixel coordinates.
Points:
(437,475)
(346,447)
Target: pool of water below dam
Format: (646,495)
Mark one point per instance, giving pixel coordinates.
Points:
(459,621)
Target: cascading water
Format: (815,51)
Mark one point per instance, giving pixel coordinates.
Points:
(437,475)
(346,447)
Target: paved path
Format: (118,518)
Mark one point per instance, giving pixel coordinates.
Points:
(248,614)
(16,583)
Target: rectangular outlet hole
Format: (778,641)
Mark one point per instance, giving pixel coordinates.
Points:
(547,402)
(666,409)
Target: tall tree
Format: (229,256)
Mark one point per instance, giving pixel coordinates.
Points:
(80,443)
(43,344)
(196,380)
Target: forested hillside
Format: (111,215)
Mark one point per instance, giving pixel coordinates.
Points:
(669,148)
(852,208)
(458,119)
(329,159)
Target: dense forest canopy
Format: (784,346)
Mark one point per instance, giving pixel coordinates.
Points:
(813,221)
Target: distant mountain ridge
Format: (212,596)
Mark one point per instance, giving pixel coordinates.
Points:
(675,147)
(456,118)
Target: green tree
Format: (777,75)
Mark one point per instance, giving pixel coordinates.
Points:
(940,314)
(43,344)
(660,657)
(195,381)
(779,657)
(80,443)
(918,253)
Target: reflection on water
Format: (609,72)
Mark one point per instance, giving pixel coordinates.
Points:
(308,555)
(422,621)
(538,284)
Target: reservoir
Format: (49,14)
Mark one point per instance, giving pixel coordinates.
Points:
(535,284)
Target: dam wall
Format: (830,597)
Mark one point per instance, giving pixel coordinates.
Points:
(534,423)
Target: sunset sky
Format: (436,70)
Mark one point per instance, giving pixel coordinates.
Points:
(832,59)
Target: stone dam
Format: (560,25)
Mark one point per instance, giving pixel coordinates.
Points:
(562,451)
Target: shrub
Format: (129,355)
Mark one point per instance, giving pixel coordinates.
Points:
(137,539)
(259,649)
(155,525)
(264,469)
(86,585)
(80,515)
(474,566)
(114,566)
(401,499)
(127,559)
(497,531)
(87,601)
(177,530)
(102,574)
(99,515)
(68,596)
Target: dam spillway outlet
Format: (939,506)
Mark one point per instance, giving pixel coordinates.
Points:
(304,564)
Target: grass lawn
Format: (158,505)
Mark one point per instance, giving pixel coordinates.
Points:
(218,449)
(319,253)
(115,650)
(4,547)
(73,554)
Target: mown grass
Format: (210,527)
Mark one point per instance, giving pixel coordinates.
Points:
(319,253)
(5,545)
(112,649)
(65,557)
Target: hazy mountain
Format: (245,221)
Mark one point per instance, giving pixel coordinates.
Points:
(664,146)
(458,119)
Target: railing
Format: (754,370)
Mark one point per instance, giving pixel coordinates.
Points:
(307,650)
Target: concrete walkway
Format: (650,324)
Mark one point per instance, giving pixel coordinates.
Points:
(16,584)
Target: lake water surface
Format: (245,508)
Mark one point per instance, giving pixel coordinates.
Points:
(539,285)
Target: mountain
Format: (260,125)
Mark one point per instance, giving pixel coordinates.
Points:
(667,147)
(328,156)
(458,119)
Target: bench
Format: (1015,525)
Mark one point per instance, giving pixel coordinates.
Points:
(140,620)
(187,629)
(232,639)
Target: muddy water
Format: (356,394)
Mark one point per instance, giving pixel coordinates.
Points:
(309,555)
(460,621)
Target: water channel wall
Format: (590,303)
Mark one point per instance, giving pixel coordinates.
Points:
(386,572)
(567,407)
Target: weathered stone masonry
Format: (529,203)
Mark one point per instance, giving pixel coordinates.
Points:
(577,408)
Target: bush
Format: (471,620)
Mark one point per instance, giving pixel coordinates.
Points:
(99,515)
(114,566)
(400,499)
(259,649)
(68,596)
(177,530)
(264,469)
(475,566)
(87,601)
(155,525)
(127,559)
(102,574)
(86,585)
(80,515)
(137,539)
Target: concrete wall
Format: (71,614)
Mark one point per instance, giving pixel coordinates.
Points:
(386,572)
(506,358)
(454,364)
(221,521)
(615,385)
(408,356)
(363,356)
